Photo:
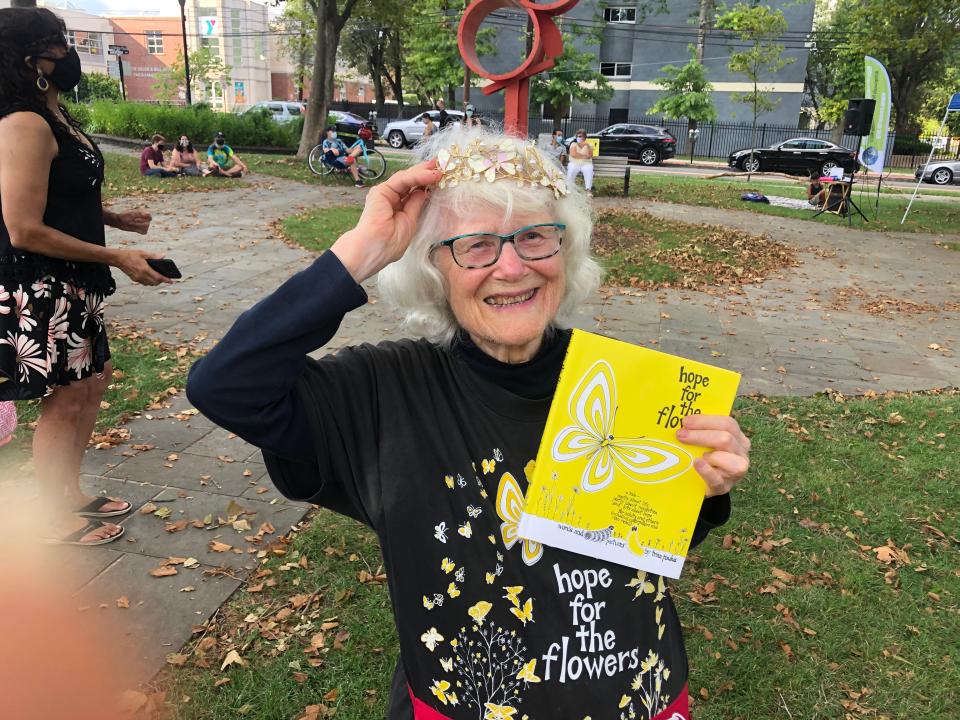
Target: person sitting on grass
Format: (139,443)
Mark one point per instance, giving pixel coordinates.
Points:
(336,154)
(815,192)
(184,158)
(222,161)
(151,159)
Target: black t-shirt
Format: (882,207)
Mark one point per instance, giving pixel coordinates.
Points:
(412,441)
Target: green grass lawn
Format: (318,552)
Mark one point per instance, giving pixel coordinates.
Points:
(123,178)
(144,372)
(287,166)
(316,230)
(928,217)
(833,590)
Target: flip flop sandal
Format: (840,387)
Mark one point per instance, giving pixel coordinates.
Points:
(92,508)
(74,538)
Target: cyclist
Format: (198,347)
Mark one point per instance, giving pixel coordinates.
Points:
(336,154)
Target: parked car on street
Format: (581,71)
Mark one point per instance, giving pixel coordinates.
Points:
(939,172)
(798,156)
(280,110)
(349,123)
(403,133)
(646,143)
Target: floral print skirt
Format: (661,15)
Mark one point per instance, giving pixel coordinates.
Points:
(51,334)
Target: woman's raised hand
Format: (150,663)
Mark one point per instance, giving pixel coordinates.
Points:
(388,221)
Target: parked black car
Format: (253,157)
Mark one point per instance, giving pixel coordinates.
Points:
(348,124)
(798,156)
(650,145)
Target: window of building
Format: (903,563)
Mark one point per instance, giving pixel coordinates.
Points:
(620,14)
(362,93)
(211,43)
(616,69)
(88,43)
(154,42)
(237,37)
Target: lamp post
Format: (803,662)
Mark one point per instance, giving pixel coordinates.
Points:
(186,52)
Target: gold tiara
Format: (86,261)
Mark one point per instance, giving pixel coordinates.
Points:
(491,163)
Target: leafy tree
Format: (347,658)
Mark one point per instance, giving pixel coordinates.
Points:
(331,17)
(916,40)
(96,86)
(760,26)
(205,67)
(574,77)
(296,28)
(431,55)
(370,41)
(686,94)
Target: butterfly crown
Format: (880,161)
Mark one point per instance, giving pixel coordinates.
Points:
(507,161)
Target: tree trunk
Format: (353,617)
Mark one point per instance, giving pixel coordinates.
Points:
(703,27)
(321,84)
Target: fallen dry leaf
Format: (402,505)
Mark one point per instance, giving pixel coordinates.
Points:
(217,546)
(232,658)
(123,602)
(163,571)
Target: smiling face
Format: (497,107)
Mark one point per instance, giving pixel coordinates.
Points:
(507,306)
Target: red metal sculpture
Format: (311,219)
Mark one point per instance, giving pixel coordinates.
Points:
(547,46)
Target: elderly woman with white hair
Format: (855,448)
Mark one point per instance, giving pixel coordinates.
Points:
(485,251)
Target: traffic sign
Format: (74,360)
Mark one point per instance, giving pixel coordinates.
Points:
(117,50)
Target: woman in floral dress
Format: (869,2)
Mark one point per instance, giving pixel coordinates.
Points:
(55,268)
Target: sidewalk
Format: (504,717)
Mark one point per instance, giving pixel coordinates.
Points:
(787,336)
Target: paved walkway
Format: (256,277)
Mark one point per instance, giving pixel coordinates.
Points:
(787,336)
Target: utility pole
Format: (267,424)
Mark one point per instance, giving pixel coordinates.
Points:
(186,50)
(703,27)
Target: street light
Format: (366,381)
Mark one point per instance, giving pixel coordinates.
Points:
(186,53)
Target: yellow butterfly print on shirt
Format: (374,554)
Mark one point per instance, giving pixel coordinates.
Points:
(428,603)
(489,466)
(509,508)
(498,712)
(447,565)
(593,410)
(466,530)
(447,664)
(439,689)
(452,590)
(479,611)
(524,614)
(448,479)
(491,578)
(431,638)
(512,592)
(527,673)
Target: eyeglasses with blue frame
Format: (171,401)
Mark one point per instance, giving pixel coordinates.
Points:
(480,250)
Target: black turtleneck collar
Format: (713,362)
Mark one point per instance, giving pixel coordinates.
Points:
(535,379)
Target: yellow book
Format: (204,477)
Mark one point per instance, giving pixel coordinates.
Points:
(611,480)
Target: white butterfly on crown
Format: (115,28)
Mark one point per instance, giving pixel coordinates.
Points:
(593,410)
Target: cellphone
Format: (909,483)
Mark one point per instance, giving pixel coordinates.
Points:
(166,267)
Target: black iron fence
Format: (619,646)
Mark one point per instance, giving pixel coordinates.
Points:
(716,140)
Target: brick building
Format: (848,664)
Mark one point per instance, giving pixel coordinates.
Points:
(154,44)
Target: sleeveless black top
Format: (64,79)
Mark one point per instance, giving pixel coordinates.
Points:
(74,208)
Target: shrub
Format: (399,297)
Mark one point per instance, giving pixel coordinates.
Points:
(910,146)
(141,120)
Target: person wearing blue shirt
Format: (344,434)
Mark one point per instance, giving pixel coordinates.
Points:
(222,161)
(335,153)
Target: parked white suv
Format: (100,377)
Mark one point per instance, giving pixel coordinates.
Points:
(401,133)
(281,110)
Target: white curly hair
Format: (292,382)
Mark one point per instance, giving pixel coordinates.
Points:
(414,286)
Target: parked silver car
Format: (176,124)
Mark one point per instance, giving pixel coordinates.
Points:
(401,133)
(281,111)
(939,172)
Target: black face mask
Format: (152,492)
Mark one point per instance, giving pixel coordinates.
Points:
(161,147)
(66,70)
(219,143)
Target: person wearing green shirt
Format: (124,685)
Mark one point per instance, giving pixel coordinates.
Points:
(222,161)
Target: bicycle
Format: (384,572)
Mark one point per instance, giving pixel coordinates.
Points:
(370,163)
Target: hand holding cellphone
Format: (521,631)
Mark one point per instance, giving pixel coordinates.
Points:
(166,267)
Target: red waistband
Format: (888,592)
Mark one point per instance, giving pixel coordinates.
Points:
(679,709)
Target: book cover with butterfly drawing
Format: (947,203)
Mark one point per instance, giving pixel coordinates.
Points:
(611,480)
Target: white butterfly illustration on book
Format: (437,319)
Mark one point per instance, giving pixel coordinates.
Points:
(593,409)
